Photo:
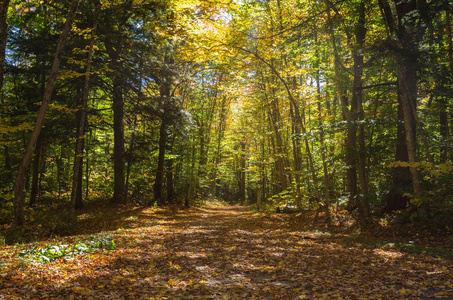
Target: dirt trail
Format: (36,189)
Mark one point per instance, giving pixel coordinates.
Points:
(227,252)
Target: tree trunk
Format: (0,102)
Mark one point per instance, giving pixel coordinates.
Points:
(3,36)
(350,116)
(20,177)
(327,183)
(35,178)
(130,156)
(218,152)
(190,184)
(296,157)
(443,117)
(280,151)
(241,173)
(170,182)
(396,199)
(408,90)
(409,34)
(79,192)
(118,128)
(76,194)
(158,184)
(169,176)
(358,49)
(118,144)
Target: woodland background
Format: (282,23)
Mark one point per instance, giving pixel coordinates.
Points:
(311,104)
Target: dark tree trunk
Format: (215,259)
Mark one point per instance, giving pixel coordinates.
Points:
(165,93)
(404,25)
(190,184)
(118,116)
(170,184)
(443,117)
(241,173)
(130,156)
(360,34)
(296,157)
(396,199)
(444,130)
(158,185)
(79,192)
(118,145)
(3,36)
(20,177)
(76,195)
(409,35)
(170,178)
(35,178)
(279,149)
(351,154)
(349,114)
(326,179)
(408,89)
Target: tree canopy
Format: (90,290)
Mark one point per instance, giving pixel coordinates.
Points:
(312,104)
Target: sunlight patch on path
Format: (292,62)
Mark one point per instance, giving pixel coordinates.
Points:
(227,252)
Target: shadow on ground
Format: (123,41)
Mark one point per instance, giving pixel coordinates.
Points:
(228,252)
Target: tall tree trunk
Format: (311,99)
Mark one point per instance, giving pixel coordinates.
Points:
(76,194)
(87,169)
(190,184)
(35,178)
(323,149)
(118,126)
(443,117)
(118,144)
(351,149)
(296,157)
(358,49)
(408,28)
(3,36)
(241,173)
(20,177)
(350,116)
(218,152)
(397,199)
(408,89)
(130,156)
(158,184)
(170,174)
(280,161)
(274,118)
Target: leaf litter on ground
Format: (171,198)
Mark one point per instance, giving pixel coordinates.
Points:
(219,252)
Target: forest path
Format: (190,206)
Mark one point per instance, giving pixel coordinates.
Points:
(227,252)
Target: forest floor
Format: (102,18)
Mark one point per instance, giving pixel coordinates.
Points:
(225,252)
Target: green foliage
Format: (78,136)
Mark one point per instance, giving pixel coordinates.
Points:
(409,247)
(238,72)
(436,204)
(50,252)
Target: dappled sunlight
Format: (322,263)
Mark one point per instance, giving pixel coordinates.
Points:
(388,254)
(230,253)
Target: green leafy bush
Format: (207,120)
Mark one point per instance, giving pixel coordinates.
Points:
(52,252)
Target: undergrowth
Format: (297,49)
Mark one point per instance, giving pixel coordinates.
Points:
(50,252)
